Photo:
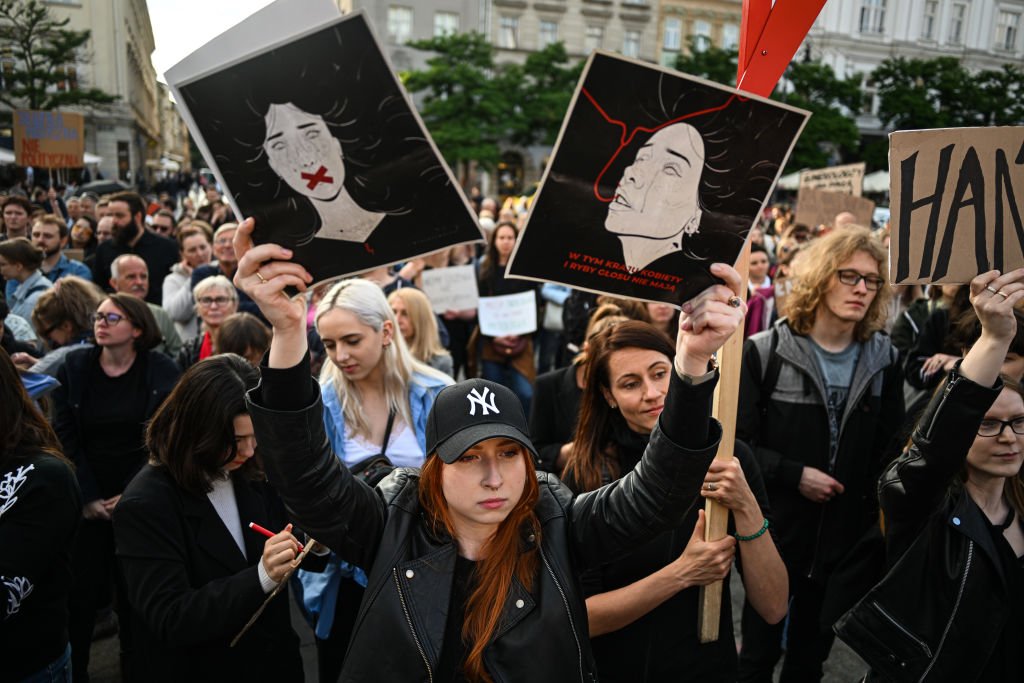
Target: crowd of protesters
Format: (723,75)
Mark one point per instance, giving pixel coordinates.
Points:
(875,490)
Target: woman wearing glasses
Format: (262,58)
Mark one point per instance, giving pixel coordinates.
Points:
(949,608)
(106,395)
(216,299)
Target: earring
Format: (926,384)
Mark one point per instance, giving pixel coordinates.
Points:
(613,406)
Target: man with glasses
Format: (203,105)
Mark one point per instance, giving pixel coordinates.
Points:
(820,402)
(50,233)
(129,275)
(163,223)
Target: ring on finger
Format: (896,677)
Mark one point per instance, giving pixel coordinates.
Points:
(992,289)
(709,486)
(263,280)
(1003,294)
(735,301)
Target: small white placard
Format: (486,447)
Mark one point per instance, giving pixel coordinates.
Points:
(451,289)
(507,315)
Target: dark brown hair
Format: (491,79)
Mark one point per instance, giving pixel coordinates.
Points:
(194,228)
(71,299)
(241,333)
(490,262)
(57,221)
(504,557)
(132,199)
(25,431)
(192,433)
(589,458)
(138,314)
(965,330)
(20,250)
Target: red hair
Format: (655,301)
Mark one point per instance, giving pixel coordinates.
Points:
(503,557)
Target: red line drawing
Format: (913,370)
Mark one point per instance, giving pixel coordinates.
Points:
(624,139)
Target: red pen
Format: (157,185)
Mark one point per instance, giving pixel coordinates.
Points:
(266,532)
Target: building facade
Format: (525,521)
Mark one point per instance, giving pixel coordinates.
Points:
(708,22)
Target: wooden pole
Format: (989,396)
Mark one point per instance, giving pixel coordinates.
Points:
(716,518)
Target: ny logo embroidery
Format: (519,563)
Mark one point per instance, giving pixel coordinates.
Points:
(481,399)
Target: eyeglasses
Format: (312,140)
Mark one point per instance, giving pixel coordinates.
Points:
(995,427)
(109,319)
(853,278)
(211,300)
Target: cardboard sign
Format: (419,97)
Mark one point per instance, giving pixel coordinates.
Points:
(656,176)
(957,203)
(313,136)
(818,207)
(451,289)
(848,179)
(49,139)
(509,314)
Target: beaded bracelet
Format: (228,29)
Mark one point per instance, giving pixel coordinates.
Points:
(764,528)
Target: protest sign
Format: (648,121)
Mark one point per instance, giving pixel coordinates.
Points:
(818,207)
(656,175)
(450,289)
(49,139)
(848,179)
(508,314)
(957,201)
(314,137)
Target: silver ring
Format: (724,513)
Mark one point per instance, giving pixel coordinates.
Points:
(263,280)
(735,301)
(992,289)
(711,487)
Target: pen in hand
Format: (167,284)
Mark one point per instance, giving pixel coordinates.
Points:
(267,532)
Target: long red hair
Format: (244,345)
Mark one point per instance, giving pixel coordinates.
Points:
(504,557)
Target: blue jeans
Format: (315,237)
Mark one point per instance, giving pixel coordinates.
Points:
(507,376)
(57,671)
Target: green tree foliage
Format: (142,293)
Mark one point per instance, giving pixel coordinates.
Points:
(713,63)
(543,88)
(941,93)
(832,102)
(466,104)
(38,49)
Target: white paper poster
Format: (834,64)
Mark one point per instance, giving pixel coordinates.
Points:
(451,289)
(507,315)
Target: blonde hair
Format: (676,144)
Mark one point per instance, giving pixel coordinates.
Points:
(814,274)
(366,302)
(426,340)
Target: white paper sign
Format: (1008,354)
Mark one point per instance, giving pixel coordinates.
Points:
(451,289)
(508,314)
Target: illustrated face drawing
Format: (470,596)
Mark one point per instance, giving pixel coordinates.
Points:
(301,150)
(657,195)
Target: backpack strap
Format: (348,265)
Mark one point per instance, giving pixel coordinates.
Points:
(771,372)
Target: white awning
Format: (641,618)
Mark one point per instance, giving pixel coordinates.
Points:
(876,182)
(790,181)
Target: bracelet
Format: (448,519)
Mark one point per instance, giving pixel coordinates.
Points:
(751,537)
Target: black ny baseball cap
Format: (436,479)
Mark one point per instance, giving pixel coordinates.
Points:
(472,411)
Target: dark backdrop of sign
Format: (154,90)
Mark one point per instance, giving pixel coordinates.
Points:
(656,175)
(848,179)
(49,139)
(819,207)
(957,203)
(316,140)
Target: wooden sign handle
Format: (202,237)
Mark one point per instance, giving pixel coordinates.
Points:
(716,515)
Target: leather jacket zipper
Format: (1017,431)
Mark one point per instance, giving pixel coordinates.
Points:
(956,607)
(920,643)
(408,620)
(565,601)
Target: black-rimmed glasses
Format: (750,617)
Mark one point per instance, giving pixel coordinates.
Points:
(995,427)
(109,319)
(853,278)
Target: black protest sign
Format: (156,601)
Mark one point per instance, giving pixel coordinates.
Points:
(820,207)
(315,138)
(957,203)
(656,176)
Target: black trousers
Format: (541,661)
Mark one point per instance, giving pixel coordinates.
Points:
(95,575)
(330,653)
(807,644)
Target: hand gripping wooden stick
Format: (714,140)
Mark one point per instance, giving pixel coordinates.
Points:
(281,586)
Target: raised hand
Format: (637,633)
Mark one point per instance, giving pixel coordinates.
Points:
(708,320)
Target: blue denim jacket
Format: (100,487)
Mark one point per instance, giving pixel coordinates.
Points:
(318,591)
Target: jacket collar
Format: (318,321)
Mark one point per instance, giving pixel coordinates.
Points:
(967,518)
(214,538)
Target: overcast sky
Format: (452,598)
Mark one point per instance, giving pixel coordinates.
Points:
(181,26)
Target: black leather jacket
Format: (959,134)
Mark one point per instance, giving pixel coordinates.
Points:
(398,633)
(939,611)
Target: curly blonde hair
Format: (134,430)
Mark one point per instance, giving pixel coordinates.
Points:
(815,273)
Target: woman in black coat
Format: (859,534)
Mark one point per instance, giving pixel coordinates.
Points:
(194,573)
(949,609)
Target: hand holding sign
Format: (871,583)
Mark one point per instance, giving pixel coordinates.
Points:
(709,320)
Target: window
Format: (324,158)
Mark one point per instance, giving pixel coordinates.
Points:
(508,32)
(1007,29)
(548,33)
(593,39)
(399,24)
(672,38)
(730,37)
(631,44)
(702,35)
(445,24)
(69,78)
(957,23)
(872,16)
(931,15)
